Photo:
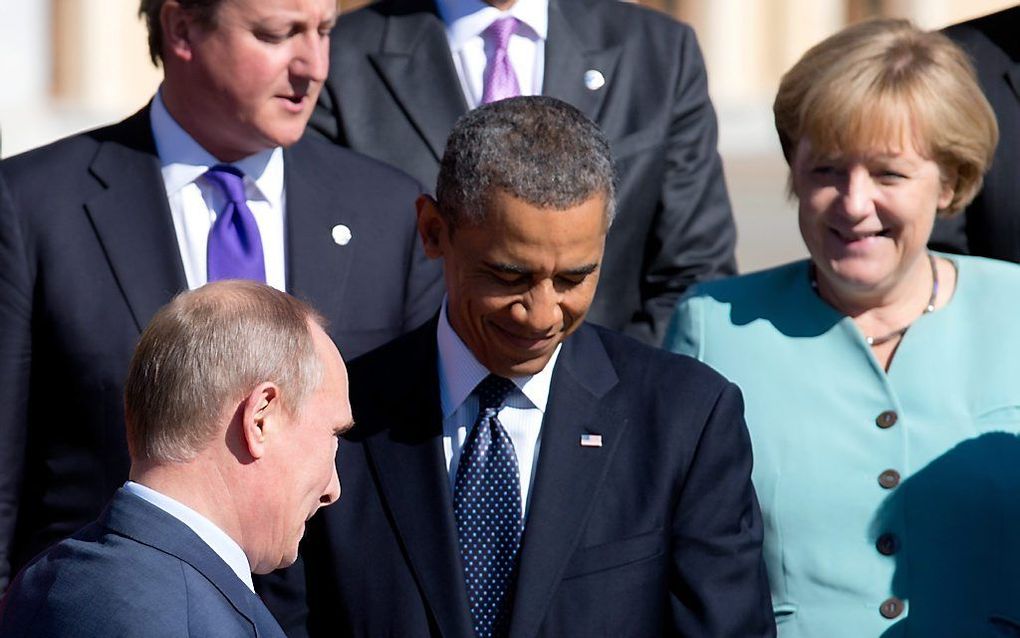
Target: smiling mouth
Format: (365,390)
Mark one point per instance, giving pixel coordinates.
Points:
(850,237)
(526,343)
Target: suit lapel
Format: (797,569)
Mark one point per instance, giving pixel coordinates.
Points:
(131,217)
(571,49)
(422,507)
(145,523)
(569,475)
(317,267)
(415,63)
(1013,79)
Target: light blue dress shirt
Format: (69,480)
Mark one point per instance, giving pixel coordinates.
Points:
(877,488)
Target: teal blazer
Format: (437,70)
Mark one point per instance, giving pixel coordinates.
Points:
(891,500)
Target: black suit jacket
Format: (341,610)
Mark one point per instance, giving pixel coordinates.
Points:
(137,571)
(88,253)
(393,93)
(655,533)
(990,226)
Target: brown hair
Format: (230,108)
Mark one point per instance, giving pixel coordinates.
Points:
(207,349)
(859,88)
(149,10)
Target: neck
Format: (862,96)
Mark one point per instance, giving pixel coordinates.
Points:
(194,485)
(199,127)
(880,309)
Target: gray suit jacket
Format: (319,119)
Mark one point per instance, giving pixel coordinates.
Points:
(393,94)
(137,571)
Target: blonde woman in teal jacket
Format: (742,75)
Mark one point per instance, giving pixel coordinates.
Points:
(882,381)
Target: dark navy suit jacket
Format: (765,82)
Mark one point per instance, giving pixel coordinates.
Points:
(88,253)
(657,532)
(137,571)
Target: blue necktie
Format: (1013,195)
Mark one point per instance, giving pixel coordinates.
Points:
(487,507)
(234,249)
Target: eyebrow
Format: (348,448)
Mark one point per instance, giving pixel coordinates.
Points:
(514,269)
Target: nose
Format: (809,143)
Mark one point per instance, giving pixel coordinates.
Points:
(539,310)
(311,60)
(859,198)
(332,493)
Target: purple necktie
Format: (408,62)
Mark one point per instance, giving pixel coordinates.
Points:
(500,81)
(235,247)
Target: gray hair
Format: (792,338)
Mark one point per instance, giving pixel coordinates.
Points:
(206,350)
(149,10)
(537,149)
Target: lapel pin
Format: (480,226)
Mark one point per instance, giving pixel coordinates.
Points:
(591,440)
(341,235)
(594,80)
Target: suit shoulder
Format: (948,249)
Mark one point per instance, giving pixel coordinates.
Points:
(625,19)
(654,369)
(340,161)
(751,289)
(48,594)
(993,31)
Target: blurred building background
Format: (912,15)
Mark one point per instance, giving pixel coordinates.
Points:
(66,65)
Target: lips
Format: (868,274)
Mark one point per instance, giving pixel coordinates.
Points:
(849,236)
(533,343)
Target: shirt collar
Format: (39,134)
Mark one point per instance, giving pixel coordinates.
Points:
(460,372)
(217,540)
(183,160)
(466,19)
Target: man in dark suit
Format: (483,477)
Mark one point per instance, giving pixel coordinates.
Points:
(402,71)
(516,471)
(99,230)
(990,226)
(233,387)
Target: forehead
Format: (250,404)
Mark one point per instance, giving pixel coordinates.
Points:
(514,228)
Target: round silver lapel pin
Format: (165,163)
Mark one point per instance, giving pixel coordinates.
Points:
(341,235)
(594,80)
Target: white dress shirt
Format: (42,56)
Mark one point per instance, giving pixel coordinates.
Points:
(521,416)
(466,19)
(194,201)
(217,540)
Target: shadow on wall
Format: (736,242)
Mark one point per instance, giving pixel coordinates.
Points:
(958,563)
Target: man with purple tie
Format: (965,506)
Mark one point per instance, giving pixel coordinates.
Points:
(211,180)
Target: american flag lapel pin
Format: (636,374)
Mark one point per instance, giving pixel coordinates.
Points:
(591,440)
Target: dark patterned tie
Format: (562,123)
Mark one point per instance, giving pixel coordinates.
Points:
(234,250)
(487,506)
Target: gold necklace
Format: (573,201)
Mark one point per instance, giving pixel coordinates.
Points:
(886,338)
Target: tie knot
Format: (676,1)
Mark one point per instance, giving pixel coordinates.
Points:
(493,391)
(230,180)
(499,32)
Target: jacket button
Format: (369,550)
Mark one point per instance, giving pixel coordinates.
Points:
(886,420)
(887,544)
(889,479)
(891,607)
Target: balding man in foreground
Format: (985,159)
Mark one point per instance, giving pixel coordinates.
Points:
(234,400)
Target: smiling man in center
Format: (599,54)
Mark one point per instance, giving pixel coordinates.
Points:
(516,471)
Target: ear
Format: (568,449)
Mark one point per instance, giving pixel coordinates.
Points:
(176,24)
(261,414)
(432,226)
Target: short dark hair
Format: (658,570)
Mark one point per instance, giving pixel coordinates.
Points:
(535,148)
(149,10)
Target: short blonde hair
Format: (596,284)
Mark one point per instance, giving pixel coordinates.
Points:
(859,88)
(207,349)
